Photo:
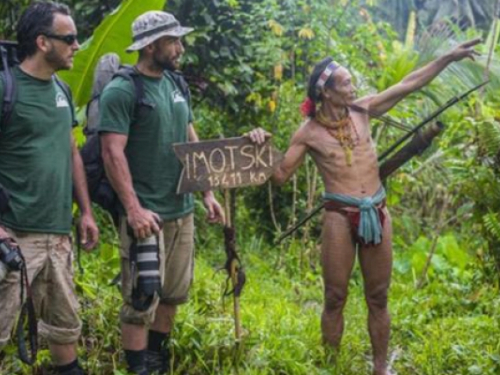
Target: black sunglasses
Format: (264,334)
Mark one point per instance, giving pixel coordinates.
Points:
(69,39)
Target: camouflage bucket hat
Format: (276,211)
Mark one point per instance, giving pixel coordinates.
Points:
(153,25)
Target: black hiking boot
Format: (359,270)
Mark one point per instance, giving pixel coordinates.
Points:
(136,362)
(73,371)
(76,371)
(158,363)
(139,370)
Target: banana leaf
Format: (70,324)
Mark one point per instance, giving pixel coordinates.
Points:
(114,34)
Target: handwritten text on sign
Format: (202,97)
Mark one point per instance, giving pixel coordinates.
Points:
(226,163)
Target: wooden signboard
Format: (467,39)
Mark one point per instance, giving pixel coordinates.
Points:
(225,163)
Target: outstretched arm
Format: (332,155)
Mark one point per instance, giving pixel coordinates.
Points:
(384,101)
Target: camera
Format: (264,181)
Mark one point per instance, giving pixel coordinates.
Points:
(10,258)
(145,264)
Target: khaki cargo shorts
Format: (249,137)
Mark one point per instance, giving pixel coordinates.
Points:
(49,260)
(176,268)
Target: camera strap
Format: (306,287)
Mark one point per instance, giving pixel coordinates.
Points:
(78,238)
(27,316)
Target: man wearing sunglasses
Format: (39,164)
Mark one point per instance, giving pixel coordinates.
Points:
(41,168)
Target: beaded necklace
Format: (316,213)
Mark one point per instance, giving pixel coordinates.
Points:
(341,131)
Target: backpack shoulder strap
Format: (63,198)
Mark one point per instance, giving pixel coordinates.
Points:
(130,73)
(8,58)
(9,93)
(67,91)
(181,83)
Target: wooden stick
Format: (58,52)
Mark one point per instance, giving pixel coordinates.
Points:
(233,267)
(236,300)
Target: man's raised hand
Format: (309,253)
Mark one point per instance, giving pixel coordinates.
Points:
(465,50)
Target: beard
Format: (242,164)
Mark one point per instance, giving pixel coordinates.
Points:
(57,61)
(165,62)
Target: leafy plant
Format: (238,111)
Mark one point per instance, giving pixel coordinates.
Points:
(112,35)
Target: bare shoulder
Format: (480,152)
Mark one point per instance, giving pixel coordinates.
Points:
(303,134)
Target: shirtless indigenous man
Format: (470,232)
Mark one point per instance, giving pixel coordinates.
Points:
(337,136)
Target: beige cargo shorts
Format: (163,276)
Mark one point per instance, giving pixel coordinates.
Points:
(176,244)
(49,260)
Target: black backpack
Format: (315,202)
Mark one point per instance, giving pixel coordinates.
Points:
(107,69)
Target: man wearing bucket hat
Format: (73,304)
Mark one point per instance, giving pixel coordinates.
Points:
(153,25)
(136,144)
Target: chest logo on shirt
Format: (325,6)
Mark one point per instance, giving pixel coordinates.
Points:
(61,100)
(177,96)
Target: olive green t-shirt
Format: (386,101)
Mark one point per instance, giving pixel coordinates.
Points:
(154,168)
(35,157)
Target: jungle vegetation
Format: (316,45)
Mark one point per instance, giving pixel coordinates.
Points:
(247,63)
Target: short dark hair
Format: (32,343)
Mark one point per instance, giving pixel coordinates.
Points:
(37,19)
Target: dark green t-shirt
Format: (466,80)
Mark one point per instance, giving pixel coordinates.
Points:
(35,157)
(154,168)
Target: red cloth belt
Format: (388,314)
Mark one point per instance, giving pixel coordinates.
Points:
(354,216)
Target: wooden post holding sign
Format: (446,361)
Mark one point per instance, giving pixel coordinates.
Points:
(225,164)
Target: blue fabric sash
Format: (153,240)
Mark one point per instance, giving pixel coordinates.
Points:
(370,227)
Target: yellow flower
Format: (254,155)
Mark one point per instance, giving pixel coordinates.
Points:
(255,98)
(278,72)
(364,13)
(276,28)
(306,33)
(272,106)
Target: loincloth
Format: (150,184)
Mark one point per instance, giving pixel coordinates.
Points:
(366,215)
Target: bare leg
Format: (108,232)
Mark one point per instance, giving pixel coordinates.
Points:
(164,318)
(133,336)
(376,265)
(63,354)
(338,253)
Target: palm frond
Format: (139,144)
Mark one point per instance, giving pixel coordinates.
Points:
(489,137)
(492,224)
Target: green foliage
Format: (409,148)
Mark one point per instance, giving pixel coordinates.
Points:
(87,14)
(489,136)
(492,224)
(248,63)
(112,35)
(445,328)
(432,13)
(400,63)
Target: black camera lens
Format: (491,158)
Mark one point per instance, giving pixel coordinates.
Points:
(145,264)
(11,256)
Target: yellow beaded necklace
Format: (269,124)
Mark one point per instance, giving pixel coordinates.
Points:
(341,131)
